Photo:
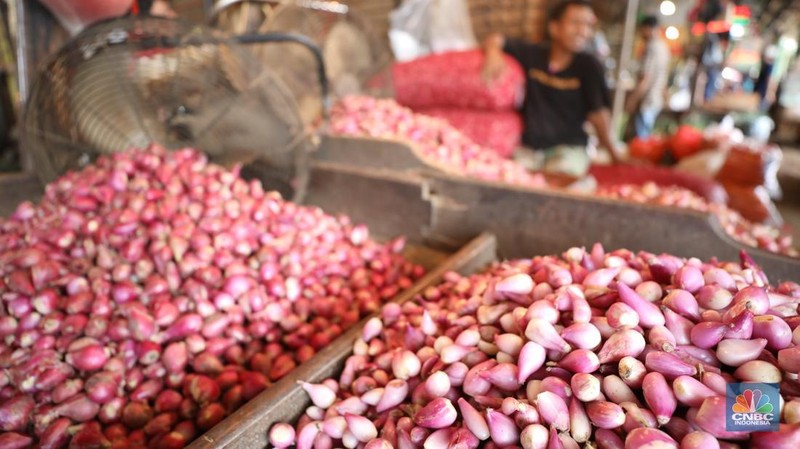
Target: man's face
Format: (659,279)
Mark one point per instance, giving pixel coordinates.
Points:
(575,28)
(647,32)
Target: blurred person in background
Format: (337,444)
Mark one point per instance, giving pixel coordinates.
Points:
(161,8)
(713,60)
(646,100)
(565,88)
(765,83)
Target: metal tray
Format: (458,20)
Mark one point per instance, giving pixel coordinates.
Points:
(388,202)
(369,152)
(396,214)
(286,401)
(526,220)
(529,221)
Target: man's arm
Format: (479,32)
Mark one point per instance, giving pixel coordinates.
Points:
(493,64)
(598,103)
(601,122)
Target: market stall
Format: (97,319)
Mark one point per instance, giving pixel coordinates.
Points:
(411,289)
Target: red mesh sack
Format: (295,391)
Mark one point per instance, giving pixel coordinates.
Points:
(497,130)
(754,203)
(453,80)
(609,175)
(742,167)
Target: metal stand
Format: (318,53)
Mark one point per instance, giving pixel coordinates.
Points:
(624,63)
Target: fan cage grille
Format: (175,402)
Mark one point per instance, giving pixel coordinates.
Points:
(127,83)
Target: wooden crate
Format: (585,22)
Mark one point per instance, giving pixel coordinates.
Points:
(285,401)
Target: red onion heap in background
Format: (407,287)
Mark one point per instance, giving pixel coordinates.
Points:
(766,237)
(441,145)
(617,350)
(151,294)
(450,86)
(453,80)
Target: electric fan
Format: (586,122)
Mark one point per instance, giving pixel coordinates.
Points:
(353,55)
(130,82)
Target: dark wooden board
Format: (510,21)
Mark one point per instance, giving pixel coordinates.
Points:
(285,401)
(529,222)
(390,203)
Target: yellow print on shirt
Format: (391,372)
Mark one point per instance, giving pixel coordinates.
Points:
(554,81)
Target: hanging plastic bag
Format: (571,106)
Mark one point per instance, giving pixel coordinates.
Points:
(751,165)
(754,203)
(681,100)
(705,164)
(451,26)
(761,128)
(410,28)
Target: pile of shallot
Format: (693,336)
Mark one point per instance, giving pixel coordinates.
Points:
(762,236)
(439,143)
(609,350)
(152,293)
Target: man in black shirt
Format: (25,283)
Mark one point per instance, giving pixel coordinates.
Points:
(565,88)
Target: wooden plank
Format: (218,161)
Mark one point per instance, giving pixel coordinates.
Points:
(368,152)
(548,221)
(529,222)
(285,401)
(390,204)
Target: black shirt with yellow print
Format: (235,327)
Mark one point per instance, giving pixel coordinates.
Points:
(558,103)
